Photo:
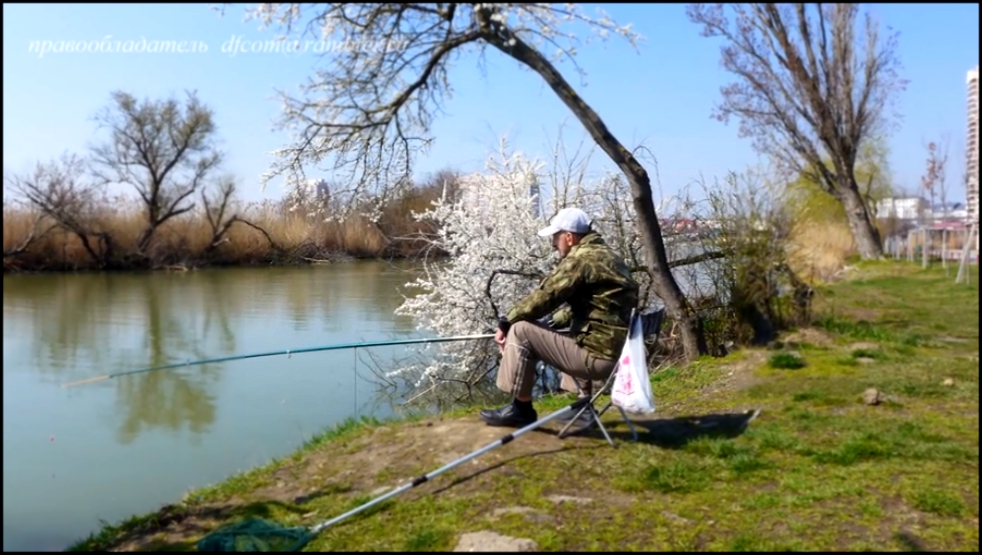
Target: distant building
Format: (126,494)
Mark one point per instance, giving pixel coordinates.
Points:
(320,188)
(902,208)
(972,148)
(952,211)
(470,188)
(535,192)
(680,225)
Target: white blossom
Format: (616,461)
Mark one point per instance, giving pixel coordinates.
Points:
(496,229)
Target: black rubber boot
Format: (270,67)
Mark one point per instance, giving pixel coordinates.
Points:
(512,416)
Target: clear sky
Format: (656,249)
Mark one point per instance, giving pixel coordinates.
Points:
(662,95)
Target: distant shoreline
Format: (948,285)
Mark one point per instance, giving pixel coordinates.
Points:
(329,259)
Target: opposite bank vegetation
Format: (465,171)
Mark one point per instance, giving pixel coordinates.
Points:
(867,440)
(267,233)
(181,210)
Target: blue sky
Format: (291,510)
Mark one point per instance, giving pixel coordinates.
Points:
(662,95)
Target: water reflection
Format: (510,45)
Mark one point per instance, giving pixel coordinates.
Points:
(80,326)
(111,449)
(162,400)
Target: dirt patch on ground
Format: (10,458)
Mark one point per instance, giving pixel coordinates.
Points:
(388,458)
(372,465)
(739,375)
(863,346)
(861,314)
(810,336)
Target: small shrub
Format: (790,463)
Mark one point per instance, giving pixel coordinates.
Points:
(786,361)
(875,354)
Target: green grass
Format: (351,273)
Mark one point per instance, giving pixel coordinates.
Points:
(786,361)
(677,477)
(818,470)
(939,502)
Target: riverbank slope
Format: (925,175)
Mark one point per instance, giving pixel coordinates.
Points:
(828,464)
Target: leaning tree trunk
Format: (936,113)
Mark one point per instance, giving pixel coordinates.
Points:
(663,282)
(864,231)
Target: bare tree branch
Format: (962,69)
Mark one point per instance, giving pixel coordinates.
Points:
(265,233)
(216,214)
(164,152)
(60,190)
(374,104)
(934,176)
(32,237)
(808,92)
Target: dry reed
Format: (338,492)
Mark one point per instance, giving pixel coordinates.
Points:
(817,251)
(183,242)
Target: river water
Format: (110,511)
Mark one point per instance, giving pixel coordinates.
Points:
(110,449)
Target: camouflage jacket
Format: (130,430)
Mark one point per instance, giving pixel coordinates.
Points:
(597,286)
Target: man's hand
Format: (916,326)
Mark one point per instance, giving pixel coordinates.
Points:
(499,338)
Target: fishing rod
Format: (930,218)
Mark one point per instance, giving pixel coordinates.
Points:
(287,352)
(494,274)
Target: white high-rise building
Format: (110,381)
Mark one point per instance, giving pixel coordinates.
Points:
(972,148)
(318,188)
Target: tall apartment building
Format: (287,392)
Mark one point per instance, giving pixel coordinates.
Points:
(972,148)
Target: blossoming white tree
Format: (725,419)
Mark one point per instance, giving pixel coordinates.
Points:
(453,297)
(370,111)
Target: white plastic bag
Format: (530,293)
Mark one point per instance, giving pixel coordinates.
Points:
(632,385)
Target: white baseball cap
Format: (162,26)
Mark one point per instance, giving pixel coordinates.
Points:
(573,220)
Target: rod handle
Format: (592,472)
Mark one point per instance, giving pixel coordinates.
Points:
(88,380)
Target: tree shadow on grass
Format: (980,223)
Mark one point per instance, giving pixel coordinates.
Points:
(675,433)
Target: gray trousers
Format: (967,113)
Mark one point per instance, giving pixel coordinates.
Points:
(528,343)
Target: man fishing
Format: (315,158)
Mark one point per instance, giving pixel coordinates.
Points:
(596,285)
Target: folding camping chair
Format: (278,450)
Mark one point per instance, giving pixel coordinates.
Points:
(651,325)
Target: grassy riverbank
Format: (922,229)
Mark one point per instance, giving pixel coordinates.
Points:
(819,469)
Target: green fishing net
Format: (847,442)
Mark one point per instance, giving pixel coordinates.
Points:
(256,535)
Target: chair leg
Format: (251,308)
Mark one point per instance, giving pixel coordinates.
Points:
(596,418)
(634,431)
(593,412)
(562,432)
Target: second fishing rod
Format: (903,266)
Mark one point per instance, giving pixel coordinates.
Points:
(289,352)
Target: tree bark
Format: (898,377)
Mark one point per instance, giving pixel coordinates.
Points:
(864,231)
(663,282)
